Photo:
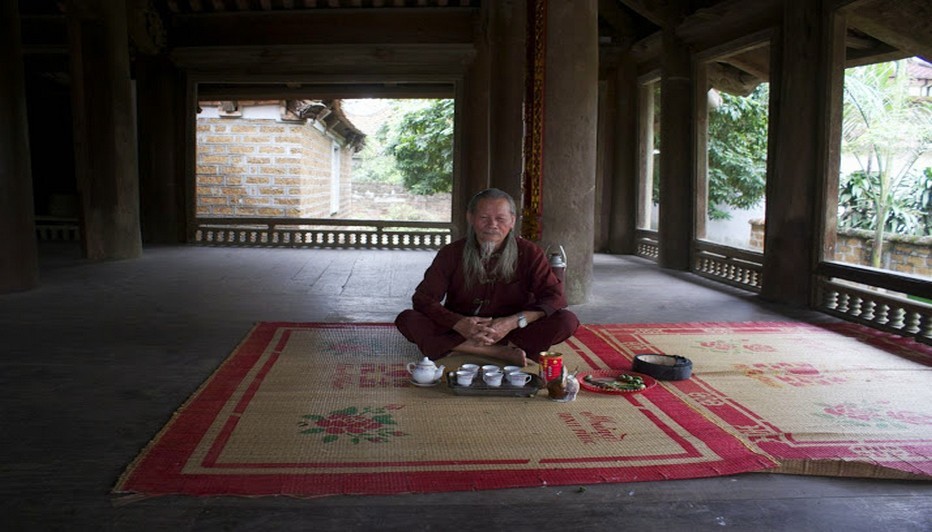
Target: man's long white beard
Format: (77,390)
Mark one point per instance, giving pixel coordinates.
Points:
(477,255)
(487,248)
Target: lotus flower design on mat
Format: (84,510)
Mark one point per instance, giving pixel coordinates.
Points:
(737,347)
(868,414)
(367,424)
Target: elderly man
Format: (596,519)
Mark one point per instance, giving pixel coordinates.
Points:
(491,293)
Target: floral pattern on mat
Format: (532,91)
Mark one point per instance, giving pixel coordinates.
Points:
(871,414)
(813,397)
(737,348)
(370,375)
(356,425)
(782,374)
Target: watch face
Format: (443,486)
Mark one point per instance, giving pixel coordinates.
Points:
(522,321)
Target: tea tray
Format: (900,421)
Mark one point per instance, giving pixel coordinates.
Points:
(479,387)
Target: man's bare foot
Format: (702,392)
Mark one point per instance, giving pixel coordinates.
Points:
(510,355)
(516,356)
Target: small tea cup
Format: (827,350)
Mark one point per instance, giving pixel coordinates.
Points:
(464,377)
(510,369)
(519,378)
(490,367)
(493,379)
(471,368)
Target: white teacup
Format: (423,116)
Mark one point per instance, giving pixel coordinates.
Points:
(510,369)
(518,378)
(464,377)
(472,368)
(492,378)
(491,367)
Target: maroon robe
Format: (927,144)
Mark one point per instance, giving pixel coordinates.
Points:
(442,299)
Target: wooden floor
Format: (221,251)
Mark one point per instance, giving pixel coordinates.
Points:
(96,359)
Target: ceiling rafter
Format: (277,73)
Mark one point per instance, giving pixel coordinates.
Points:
(903,24)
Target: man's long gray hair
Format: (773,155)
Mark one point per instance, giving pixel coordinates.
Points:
(476,257)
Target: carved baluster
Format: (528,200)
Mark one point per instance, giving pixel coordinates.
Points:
(913,319)
(897,317)
(854,305)
(830,299)
(883,314)
(842,302)
(867,311)
(925,327)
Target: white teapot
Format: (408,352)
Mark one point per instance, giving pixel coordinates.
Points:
(425,371)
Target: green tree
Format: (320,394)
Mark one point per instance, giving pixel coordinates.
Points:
(375,165)
(886,131)
(422,144)
(738,152)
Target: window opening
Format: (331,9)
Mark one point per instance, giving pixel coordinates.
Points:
(649,175)
(884,217)
(328,173)
(735,168)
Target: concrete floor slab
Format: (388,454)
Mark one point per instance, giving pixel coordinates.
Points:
(97,358)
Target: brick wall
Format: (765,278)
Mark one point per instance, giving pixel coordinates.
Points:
(756,241)
(904,254)
(266,168)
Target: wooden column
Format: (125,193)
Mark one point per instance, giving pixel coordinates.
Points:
(507,27)
(161,111)
(798,153)
(677,179)
(604,162)
(104,129)
(623,220)
(569,148)
(18,261)
(471,129)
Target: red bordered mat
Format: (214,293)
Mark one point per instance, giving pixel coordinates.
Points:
(610,375)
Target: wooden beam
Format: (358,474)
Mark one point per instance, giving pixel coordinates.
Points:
(324,26)
(903,24)
(324,91)
(651,10)
(648,48)
(621,24)
(727,78)
(728,21)
(294,63)
(755,62)
(860,41)
(881,54)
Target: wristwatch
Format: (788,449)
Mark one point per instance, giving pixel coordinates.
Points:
(522,321)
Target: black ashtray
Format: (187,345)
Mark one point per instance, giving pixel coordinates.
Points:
(663,367)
